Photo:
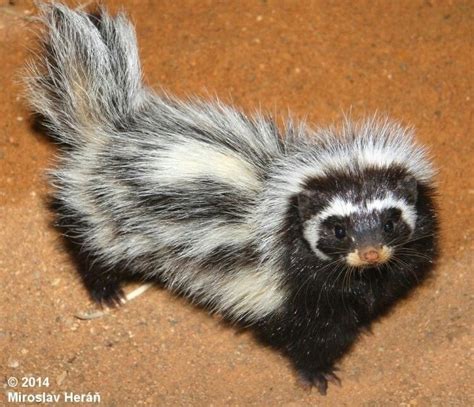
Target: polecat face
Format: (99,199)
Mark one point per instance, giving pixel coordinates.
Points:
(363,222)
(365,237)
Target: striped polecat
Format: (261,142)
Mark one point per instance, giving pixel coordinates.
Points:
(303,236)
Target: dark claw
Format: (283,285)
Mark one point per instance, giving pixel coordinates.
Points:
(318,380)
(321,383)
(333,378)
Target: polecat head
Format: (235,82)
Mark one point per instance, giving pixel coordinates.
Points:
(361,217)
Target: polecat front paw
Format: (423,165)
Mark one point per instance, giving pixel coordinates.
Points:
(318,379)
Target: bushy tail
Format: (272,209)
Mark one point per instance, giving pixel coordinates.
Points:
(88,76)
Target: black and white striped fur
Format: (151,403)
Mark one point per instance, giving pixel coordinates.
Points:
(223,208)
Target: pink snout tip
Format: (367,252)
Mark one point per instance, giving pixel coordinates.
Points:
(370,255)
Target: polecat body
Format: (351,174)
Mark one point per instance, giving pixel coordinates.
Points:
(305,237)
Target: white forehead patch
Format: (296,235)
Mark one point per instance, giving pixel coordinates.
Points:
(338,207)
(408,211)
(341,207)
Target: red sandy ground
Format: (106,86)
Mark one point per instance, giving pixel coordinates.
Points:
(410,59)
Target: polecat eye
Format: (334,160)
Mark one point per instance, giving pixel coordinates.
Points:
(388,226)
(340,232)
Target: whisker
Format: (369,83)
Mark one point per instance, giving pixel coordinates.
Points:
(417,238)
(404,267)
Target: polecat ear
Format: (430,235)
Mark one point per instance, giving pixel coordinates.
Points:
(308,204)
(408,187)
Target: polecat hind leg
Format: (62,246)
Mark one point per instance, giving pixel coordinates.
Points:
(102,282)
(104,288)
(99,313)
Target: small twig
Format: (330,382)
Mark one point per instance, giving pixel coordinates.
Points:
(137,292)
(91,314)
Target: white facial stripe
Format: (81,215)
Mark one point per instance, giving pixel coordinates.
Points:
(311,233)
(338,207)
(341,207)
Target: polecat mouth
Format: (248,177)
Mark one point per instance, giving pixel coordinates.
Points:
(369,256)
